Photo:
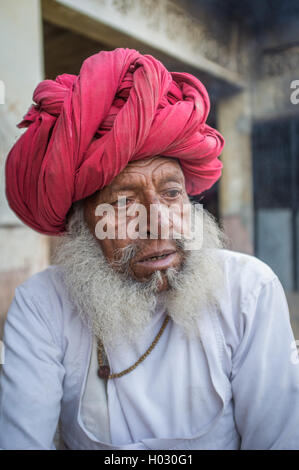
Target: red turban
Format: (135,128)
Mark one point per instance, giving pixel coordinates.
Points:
(84,130)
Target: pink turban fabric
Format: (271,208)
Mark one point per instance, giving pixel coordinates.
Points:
(84,129)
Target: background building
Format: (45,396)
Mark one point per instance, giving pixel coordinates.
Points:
(247,55)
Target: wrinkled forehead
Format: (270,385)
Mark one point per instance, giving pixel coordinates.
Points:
(153,166)
(154,161)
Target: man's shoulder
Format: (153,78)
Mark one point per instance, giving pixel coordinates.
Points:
(44,282)
(248,283)
(44,298)
(244,270)
(237,263)
(46,291)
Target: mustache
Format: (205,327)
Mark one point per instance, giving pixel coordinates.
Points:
(124,256)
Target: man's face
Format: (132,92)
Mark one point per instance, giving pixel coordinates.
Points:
(158,180)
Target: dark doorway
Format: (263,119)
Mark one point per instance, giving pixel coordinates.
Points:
(276,197)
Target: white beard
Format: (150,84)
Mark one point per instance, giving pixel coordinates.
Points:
(117,307)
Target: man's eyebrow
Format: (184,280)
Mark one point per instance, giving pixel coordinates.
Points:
(166,179)
(172,179)
(177,178)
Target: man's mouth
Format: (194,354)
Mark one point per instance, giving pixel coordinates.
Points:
(157,259)
(155,255)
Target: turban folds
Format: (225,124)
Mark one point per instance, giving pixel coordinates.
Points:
(84,130)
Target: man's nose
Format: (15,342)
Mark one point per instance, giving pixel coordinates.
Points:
(155,211)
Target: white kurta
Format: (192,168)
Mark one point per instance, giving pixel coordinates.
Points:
(235,388)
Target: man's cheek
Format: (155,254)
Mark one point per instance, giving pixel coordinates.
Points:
(108,248)
(179,221)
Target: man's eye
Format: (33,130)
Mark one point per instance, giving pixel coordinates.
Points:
(173,193)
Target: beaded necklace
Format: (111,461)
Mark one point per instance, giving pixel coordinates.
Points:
(104,370)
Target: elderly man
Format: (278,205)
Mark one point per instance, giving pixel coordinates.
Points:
(137,342)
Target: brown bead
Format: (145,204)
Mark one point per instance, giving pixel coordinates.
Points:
(104,372)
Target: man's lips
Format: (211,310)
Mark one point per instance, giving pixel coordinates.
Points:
(158,259)
(155,254)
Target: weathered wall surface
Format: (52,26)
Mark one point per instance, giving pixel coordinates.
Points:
(167,27)
(277,67)
(236,205)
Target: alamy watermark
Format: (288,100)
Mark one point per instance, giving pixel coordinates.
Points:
(158,221)
(294,97)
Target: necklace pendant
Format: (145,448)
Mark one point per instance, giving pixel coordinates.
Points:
(104,372)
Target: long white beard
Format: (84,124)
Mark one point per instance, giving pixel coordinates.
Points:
(117,307)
